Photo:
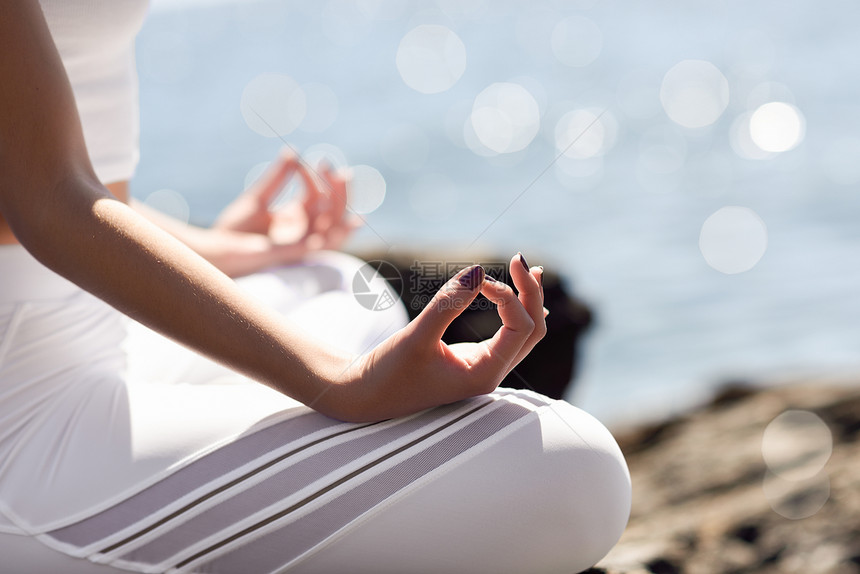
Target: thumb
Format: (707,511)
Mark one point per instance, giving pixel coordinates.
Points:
(449,302)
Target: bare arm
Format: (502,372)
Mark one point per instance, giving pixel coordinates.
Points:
(59,211)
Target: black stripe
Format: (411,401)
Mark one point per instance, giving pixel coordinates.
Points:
(227,486)
(321,492)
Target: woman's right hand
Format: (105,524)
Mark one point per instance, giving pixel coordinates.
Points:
(414,369)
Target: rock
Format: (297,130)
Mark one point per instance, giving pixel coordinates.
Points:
(706,501)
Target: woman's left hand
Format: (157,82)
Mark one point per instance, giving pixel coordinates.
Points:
(266,237)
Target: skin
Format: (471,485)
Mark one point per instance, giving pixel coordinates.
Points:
(174,278)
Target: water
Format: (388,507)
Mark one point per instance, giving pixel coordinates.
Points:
(625,231)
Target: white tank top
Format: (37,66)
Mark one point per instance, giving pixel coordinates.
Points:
(95,39)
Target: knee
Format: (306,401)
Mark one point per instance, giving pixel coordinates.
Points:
(574,485)
(593,489)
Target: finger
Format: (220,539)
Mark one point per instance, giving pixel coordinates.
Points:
(335,183)
(273,179)
(517,326)
(457,294)
(528,282)
(332,217)
(539,276)
(315,196)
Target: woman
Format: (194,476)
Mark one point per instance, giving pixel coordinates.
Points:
(353,455)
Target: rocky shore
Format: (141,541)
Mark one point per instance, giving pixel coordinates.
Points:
(763,480)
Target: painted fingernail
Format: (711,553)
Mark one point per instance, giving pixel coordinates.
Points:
(540,275)
(523,261)
(472,277)
(489,278)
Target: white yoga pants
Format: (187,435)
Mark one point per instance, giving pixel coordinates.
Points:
(120,451)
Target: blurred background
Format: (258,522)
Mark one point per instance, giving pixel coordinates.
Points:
(691,168)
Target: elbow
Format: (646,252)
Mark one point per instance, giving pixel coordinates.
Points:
(38,208)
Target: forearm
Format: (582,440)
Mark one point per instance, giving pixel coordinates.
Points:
(103,246)
(235,254)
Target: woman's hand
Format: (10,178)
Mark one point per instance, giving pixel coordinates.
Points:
(414,369)
(316,220)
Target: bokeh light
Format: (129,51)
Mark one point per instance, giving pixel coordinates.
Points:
(169,202)
(365,189)
(796,445)
(796,500)
(584,133)
(431,58)
(777,127)
(741,141)
(405,147)
(505,117)
(576,41)
(694,93)
(733,239)
(273,105)
(322,107)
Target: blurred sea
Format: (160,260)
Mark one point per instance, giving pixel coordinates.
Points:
(621,215)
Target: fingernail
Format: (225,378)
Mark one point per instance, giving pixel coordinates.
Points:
(472,277)
(523,261)
(489,278)
(540,275)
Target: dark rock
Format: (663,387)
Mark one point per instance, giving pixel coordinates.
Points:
(846,420)
(663,566)
(747,532)
(730,393)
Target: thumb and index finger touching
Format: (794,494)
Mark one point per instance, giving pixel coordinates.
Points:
(522,314)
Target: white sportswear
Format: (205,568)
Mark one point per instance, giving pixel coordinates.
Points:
(95,39)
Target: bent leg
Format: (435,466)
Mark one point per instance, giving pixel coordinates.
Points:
(509,482)
(550,494)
